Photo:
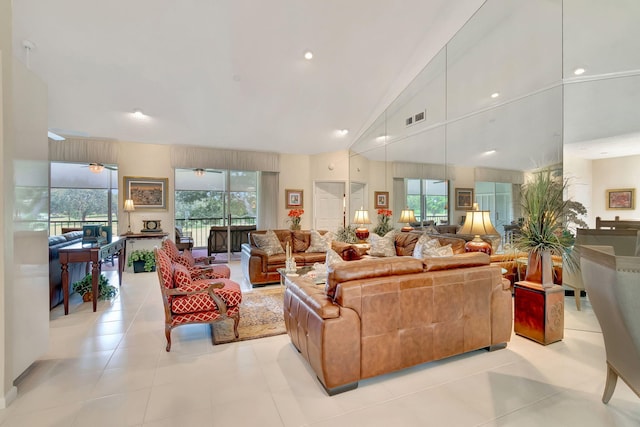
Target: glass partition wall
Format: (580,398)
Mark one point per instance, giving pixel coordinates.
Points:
(498,102)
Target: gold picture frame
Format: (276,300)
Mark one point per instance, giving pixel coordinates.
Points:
(464,198)
(146,193)
(620,199)
(294,199)
(381,199)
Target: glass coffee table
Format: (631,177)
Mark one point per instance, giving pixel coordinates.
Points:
(299,272)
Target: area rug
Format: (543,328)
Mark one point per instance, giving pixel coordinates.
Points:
(261,316)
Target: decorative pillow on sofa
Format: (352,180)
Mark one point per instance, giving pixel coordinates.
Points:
(440,251)
(424,245)
(319,242)
(268,242)
(383,246)
(181,275)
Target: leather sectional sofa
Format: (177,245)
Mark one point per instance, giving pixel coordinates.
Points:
(260,269)
(379,315)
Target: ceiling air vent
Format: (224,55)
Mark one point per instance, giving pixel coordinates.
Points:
(419,117)
(408,121)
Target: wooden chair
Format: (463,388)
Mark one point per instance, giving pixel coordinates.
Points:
(201,301)
(183,240)
(613,287)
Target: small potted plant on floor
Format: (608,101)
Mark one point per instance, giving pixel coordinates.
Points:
(85,289)
(142,260)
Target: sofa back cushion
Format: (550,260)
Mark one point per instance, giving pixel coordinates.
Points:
(469,259)
(371,267)
(301,240)
(270,241)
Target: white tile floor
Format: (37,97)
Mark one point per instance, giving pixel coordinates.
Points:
(110,369)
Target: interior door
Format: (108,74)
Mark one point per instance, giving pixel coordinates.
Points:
(329,205)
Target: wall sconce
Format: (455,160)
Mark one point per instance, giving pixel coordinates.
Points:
(361,218)
(407,216)
(128,208)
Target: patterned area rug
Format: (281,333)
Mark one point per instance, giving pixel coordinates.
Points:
(261,316)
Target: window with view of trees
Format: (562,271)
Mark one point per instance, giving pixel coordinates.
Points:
(79,196)
(207,199)
(429,199)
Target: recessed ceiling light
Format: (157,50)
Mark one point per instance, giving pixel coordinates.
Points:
(495,94)
(308,54)
(343,132)
(138,114)
(579,71)
(490,152)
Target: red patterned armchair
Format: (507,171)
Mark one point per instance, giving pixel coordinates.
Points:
(188,301)
(198,267)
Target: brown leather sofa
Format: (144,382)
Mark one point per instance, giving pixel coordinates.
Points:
(392,313)
(260,269)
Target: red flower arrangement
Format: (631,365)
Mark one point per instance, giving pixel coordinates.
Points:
(385,212)
(384,223)
(295,216)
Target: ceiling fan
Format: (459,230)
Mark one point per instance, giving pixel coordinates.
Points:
(200,172)
(99,167)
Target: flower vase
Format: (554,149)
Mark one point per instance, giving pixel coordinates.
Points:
(540,269)
(295,226)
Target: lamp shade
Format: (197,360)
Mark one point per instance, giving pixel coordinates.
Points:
(478,223)
(361,217)
(128,206)
(407,215)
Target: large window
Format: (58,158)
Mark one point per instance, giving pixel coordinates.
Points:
(429,199)
(79,196)
(205,198)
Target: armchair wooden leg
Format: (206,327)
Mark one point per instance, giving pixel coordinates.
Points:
(236,321)
(610,386)
(167,333)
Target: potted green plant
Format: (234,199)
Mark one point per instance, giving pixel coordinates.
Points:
(142,260)
(346,234)
(85,289)
(543,232)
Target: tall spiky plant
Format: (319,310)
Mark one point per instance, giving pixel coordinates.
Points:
(545,212)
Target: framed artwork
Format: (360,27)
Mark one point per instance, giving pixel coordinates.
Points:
(624,198)
(293,199)
(382,199)
(464,198)
(146,193)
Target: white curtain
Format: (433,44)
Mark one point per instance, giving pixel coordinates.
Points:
(218,158)
(84,150)
(268,200)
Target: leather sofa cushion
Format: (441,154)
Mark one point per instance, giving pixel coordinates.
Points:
(371,267)
(55,240)
(406,242)
(469,259)
(301,240)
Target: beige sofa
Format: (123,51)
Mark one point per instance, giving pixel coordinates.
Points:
(380,315)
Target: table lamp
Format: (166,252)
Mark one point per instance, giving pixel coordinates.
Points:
(407,216)
(128,208)
(361,218)
(479,224)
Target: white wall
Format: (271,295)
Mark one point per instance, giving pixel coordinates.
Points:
(616,173)
(578,174)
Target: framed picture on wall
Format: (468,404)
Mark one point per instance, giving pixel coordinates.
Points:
(293,199)
(146,193)
(621,199)
(464,198)
(382,199)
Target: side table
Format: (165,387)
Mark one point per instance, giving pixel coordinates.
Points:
(539,312)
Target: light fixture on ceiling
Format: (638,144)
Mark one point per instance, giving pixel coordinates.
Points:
(308,55)
(96,167)
(494,95)
(199,172)
(55,136)
(138,114)
(579,71)
(343,132)
(488,152)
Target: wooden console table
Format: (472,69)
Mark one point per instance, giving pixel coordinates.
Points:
(94,255)
(539,312)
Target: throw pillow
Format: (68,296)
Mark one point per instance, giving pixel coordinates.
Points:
(383,246)
(424,244)
(319,242)
(181,275)
(333,259)
(431,230)
(268,242)
(440,251)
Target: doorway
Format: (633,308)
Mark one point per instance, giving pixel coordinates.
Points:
(329,205)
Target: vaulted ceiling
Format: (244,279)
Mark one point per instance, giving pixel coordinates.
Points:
(229,73)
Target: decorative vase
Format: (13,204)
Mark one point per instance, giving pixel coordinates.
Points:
(87,296)
(540,268)
(295,226)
